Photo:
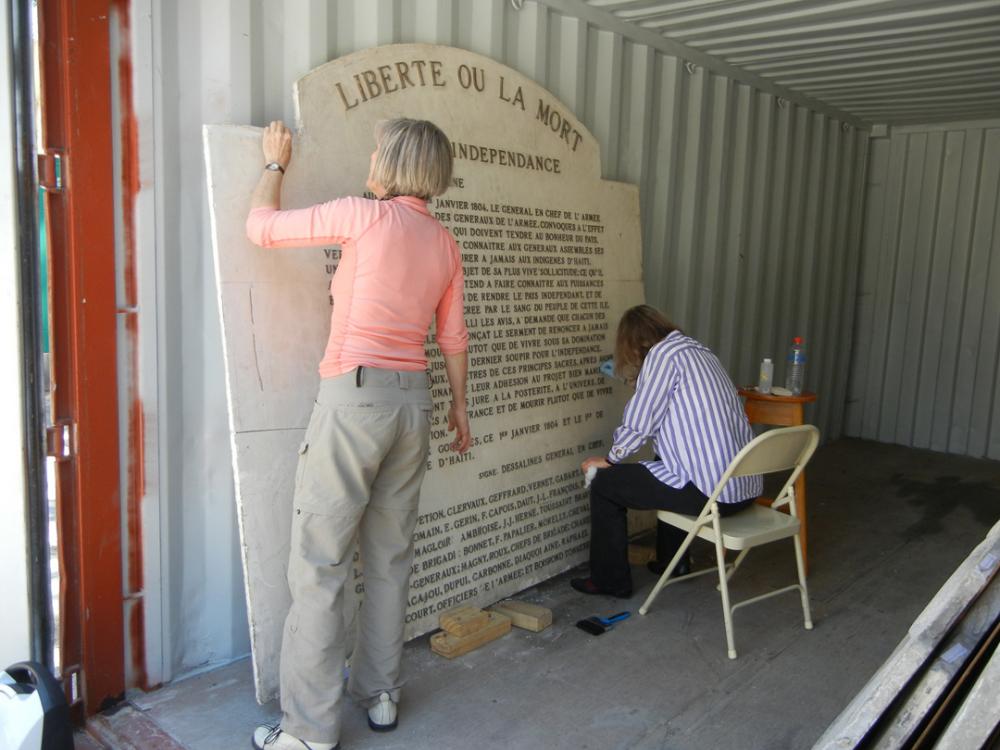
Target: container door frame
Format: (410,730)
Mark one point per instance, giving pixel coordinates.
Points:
(77,123)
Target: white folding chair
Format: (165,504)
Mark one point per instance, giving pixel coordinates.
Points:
(776,450)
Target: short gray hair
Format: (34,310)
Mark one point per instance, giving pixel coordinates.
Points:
(414,158)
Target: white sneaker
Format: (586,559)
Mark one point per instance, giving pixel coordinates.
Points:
(271,737)
(382,716)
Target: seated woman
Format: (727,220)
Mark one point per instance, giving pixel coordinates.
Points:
(685,401)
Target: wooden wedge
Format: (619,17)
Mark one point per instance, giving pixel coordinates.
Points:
(464,620)
(450,646)
(523,615)
(640,554)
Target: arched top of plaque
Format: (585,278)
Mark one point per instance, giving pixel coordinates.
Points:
(492,114)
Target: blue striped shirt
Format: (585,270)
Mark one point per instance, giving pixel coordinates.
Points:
(686,402)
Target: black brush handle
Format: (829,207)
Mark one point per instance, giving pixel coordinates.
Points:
(589,626)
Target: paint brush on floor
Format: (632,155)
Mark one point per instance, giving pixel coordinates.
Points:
(599,625)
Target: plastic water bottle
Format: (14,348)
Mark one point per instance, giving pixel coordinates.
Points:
(796,366)
(766,376)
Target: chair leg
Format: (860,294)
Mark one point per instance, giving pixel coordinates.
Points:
(727,612)
(803,591)
(736,563)
(666,573)
(731,570)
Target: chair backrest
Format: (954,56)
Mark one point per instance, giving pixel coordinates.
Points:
(775,450)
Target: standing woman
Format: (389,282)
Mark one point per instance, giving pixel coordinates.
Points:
(687,404)
(365,449)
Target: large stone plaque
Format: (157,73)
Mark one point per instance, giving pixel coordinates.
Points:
(552,258)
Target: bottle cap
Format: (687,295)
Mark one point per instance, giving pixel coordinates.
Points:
(797,340)
(767,359)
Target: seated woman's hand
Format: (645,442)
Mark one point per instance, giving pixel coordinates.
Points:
(598,462)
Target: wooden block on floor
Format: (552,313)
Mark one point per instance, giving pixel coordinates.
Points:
(464,620)
(640,554)
(450,646)
(524,615)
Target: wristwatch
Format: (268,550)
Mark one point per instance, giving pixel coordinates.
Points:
(273,166)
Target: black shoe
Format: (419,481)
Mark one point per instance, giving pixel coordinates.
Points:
(683,568)
(587,586)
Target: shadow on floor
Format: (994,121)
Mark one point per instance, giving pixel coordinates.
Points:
(940,498)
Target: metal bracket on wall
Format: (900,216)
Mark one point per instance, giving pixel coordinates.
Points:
(71,676)
(60,440)
(52,170)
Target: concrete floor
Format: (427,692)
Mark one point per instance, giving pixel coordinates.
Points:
(887,527)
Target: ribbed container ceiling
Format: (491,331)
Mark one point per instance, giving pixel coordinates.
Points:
(883,61)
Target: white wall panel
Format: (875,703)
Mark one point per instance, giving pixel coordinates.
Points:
(750,213)
(926,369)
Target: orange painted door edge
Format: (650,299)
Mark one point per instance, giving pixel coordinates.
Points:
(76,86)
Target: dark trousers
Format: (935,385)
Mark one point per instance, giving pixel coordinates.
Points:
(623,486)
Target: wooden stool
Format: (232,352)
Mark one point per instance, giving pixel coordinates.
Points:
(782,411)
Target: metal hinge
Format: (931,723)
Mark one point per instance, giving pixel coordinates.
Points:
(71,679)
(60,442)
(52,170)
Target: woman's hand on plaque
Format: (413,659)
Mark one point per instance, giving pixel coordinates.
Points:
(277,143)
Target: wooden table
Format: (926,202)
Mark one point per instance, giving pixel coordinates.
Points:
(782,411)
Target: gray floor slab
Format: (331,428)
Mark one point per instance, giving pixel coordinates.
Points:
(887,527)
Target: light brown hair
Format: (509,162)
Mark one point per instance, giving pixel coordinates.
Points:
(639,330)
(414,158)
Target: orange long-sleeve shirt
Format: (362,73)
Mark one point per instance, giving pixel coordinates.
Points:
(399,269)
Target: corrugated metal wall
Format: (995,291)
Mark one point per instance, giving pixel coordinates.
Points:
(926,370)
(751,220)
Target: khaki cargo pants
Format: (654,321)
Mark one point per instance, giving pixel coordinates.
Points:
(360,469)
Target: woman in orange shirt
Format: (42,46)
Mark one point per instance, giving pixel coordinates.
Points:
(365,450)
